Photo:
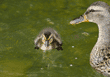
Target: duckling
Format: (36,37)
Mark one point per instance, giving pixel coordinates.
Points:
(99,13)
(48,39)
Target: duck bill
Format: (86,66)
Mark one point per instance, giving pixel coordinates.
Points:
(80,19)
(46,43)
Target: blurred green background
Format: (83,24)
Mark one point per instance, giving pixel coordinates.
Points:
(20,23)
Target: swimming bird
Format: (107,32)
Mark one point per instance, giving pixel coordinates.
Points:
(99,13)
(48,39)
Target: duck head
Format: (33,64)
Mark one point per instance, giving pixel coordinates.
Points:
(98,12)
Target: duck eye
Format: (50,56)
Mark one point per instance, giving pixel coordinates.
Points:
(92,10)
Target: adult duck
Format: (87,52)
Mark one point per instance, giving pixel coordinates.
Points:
(99,13)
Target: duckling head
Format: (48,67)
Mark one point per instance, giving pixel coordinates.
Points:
(98,12)
(47,38)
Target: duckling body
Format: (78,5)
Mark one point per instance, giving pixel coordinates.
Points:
(48,39)
(99,13)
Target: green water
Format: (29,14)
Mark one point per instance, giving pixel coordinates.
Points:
(20,23)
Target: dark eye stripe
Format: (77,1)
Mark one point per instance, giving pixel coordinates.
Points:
(92,10)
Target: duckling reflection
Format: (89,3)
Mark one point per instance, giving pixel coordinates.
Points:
(48,39)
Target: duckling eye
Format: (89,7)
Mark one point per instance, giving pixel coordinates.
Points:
(50,40)
(43,39)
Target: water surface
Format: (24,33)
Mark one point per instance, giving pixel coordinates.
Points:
(20,23)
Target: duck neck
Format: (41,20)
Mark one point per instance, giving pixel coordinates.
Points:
(104,34)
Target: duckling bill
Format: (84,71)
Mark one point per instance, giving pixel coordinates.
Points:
(48,39)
